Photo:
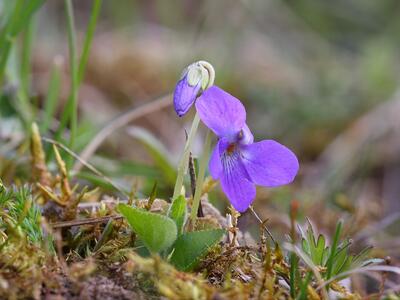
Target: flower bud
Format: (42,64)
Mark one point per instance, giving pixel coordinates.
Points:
(194,80)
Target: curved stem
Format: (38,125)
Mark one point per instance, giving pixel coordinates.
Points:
(183,163)
(200,177)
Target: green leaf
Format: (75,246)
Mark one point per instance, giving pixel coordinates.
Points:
(340,260)
(320,250)
(177,212)
(157,150)
(157,232)
(325,256)
(192,246)
(312,243)
(329,264)
(99,181)
(305,246)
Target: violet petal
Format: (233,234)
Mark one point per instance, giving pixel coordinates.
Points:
(215,165)
(221,112)
(269,163)
(236,183)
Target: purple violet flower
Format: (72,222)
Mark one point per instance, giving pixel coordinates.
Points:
(236,160)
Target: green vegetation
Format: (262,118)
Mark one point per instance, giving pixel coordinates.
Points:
(93,204)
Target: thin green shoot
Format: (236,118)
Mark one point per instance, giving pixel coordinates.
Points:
(200,176)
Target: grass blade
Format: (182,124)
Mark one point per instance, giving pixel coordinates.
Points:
(6,37)
(72,104)
(160,155)
(88,39)
(30,8)
(19,19)
(53,90)
(76,70)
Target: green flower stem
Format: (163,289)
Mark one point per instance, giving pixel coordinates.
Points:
(200,177)
(183,163)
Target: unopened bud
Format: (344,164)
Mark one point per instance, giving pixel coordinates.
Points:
(194,80)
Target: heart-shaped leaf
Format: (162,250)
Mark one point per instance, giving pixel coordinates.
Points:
(190,247)
(157,232)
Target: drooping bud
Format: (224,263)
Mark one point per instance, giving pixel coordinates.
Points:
(194,80)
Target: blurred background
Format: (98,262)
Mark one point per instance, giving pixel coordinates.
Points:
(321,77)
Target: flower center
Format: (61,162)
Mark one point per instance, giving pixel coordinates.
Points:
(231,148)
